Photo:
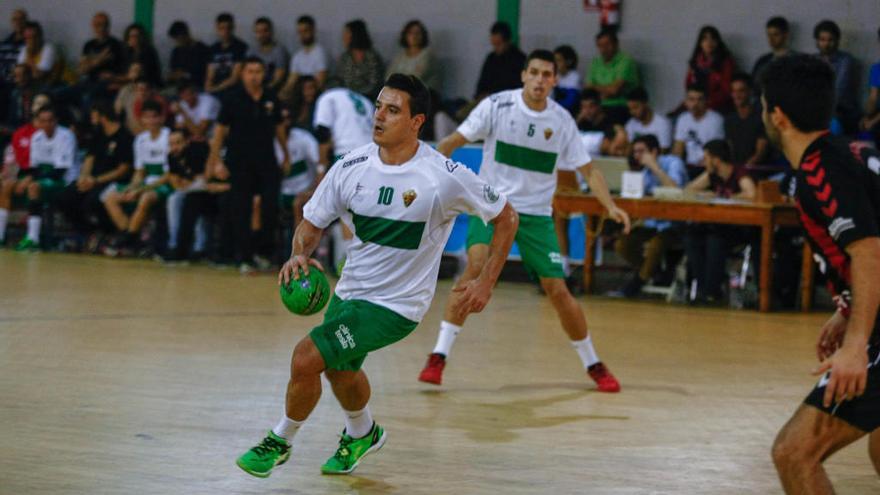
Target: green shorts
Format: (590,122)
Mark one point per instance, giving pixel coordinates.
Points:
(163,191)
(536,239)
(50,188)
(354,328)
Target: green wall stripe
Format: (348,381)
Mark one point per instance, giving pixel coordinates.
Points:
(143,14)
(508,11)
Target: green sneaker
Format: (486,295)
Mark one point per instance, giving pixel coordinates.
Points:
(27,244)
(352,450)
(260,460)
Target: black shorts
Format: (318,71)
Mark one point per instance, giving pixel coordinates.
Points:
(862,412)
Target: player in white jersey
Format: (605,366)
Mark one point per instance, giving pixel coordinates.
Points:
(343,121)
(527,137)
(150,183)
(400,198)
(303,171)
(52,152)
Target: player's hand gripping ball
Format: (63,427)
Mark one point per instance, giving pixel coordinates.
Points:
(307,295)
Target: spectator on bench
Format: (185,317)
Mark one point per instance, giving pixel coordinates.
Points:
(777,37)
(646,244)
(360,67)
(645,121)
(743,127)
(708,245)
(503,66)
(189,57)
(186,175)
(696,127)
(274,56)
(10,47)
(194,111)
(139,49)
(227,54)
(568,85)
(846,87)
(613,74)
(712,66)
(39,56)
(309,60)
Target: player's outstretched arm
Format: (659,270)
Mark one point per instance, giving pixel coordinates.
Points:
(450,143)
(599,187)
(475,293)
(305,241)
(849,363)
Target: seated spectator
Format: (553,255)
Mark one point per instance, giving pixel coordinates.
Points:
(872,108)
(568,80)
(646,244)
(360,68)
(613,74)
(592,119)
(273,55)
(148,186)
(139,49)
(743,127)
(696,127)
(708,245)
(52,153)
(106,168)
(503,66)
(227,55)
(778,38)
(846,87)
(416,57)
(39,56)
(712,66)
(644,121)
(131,104)
(11,46)
(309,60)
(196,112)
(302,107)
(103,57)
(19,102)
(189,57)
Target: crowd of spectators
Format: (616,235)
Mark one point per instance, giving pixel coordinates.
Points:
(197,159)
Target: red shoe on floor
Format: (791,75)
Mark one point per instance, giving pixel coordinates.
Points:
(433,372)
(605,381)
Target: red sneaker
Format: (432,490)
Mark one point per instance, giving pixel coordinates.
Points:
(605,381)
(433,372)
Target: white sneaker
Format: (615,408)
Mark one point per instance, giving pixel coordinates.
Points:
(246,269)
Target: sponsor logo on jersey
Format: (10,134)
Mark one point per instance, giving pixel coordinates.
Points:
(409,197)
(839,226)
(505,104)
(548,133)
(343,334)
(490,194)
(355,161)
(451,166)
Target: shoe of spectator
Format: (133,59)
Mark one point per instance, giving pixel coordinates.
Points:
(246,269)
(262,264)
(632,288)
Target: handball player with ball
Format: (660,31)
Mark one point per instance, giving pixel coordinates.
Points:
(400,198)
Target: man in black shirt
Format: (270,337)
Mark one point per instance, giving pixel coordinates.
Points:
(103,55)
(11,46)
(503,66)
(224,64)
(249,122)
(189,58)
(743,127)
(837,190)
(777,37)
(108,164)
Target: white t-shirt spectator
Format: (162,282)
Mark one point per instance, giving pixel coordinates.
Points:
(659,126)
(207,108)
(46,60)
(696,133)
(309,61)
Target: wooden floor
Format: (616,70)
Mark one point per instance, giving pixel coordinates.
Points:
(130,377)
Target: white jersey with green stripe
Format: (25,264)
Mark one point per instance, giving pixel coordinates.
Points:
(151,154)
(401,217)
(522,148)
(303,150)
(348,115)
(57,152)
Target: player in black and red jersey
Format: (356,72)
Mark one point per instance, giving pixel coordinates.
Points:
(837,189)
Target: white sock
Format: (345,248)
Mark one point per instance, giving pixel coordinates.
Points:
(33,231)
(4,216)
(446,338)
(566,266)
(287,428)
(585,351)
(358,423)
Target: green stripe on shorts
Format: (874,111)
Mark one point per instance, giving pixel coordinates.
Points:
(399,234)
(525,158)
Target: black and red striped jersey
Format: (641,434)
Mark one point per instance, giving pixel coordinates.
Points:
(837,190)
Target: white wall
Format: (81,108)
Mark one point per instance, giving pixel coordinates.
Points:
(658,33)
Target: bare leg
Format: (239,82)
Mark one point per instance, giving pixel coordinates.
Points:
(874,449)
(351,388)
(304,387)
(33,191)
(6,189)
(256,222)
(570,314)
(803,444)
(142,212)
(477,256)
(113,205)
